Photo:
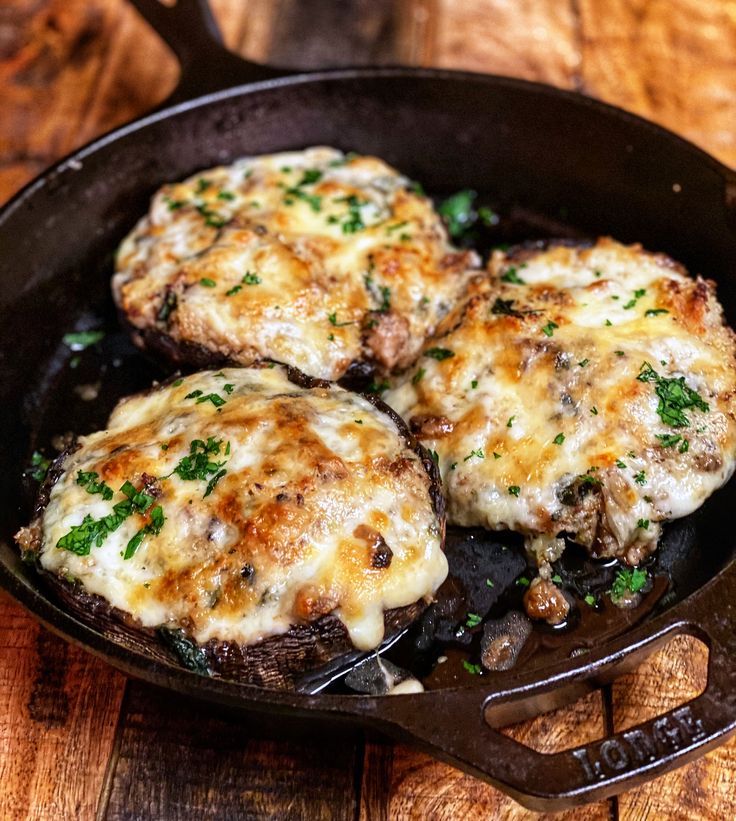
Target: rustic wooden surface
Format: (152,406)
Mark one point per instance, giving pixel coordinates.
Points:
(78,740)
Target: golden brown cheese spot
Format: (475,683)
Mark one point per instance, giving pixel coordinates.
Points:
(303,521)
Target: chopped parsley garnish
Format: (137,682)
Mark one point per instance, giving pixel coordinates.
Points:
(589,599)
(379,387)
(91,531)
(474,384)
(439,354)
(457,211)
(40,465)
(583,362)
(674,397)
(153,528)
(473,620)
(207,282)
(620,464)
(655,311)
(523,581)
(629,580)
(333,320)
(557,579)
(496,455)
(619,353)
(549,328)
(395,227)
(637,296)
(477,453)
(89,481)
(313,200)
(177,383)
(354,221)
(643,524)
(418,376)
(174,205)
(200,465)
(608,323)
(489,583)
(640,478)
(668,440)
(202,185)
(559,439)
(511,276)
(251,279)
(473,669)
(514,490)
(79,340)
(510,422)
(234,290)
(225,195)
(201,397)
(434,456)
(310,176)
(167,306)
(594,410)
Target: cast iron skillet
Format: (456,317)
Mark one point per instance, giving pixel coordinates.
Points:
(611,172)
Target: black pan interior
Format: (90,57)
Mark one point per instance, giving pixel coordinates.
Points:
(549,165)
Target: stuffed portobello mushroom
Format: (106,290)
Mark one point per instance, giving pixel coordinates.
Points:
(320,260)
(259,521)
(585,391)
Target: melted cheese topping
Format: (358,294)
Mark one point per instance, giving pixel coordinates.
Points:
(323,509)
(538,415)
(311,258)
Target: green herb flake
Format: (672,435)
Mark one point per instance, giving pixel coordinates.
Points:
(89,481)
(674,397)
(589,600)
(512,276)
(474,384)
(594,410)
(489,583)
(418,376)
(333,320)
(643,524)
(473,620)
(379,387)
(440,354)
(620,464)
(40,465)
(557,579)
(640,478)
(207,282)
(655,311)
(629,580)
(549,328)
(473,669)
(478,454)
(251,279)
(523,581)
(79,340)
(234,290)
(457,211)
(608,323)
(496,455)
(619,353)
(510,422)
(514,490)
(177,383)
(583,362)
(559,439)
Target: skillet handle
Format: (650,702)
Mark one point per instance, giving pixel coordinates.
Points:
(189,28)
(454,726)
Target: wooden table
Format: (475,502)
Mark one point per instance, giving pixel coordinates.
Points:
(78,739)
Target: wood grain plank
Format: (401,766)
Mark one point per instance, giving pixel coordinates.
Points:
(58,712)
(705,789)
(402,784)
(534,39)
(674,63)
(179,759)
